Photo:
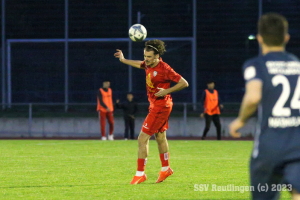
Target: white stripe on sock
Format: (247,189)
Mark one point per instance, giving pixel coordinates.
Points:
(164,168)
(139,173)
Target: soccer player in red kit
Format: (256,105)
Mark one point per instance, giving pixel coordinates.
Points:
(159,75)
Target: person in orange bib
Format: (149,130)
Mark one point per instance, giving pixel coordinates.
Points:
(105,109)
(212,105)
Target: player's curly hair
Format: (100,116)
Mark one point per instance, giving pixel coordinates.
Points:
(157,46)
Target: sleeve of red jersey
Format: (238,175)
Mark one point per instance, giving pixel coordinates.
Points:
(171,75)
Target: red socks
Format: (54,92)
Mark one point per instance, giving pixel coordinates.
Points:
(141,164)
(164,158)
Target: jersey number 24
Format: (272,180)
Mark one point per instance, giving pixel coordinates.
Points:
(279,110)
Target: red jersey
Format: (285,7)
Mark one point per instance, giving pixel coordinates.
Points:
(159,76)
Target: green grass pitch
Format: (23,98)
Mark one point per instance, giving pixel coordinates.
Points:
(91,169)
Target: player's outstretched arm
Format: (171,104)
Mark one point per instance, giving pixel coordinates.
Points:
(133,63)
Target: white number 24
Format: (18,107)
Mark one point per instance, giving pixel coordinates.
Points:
(279,110)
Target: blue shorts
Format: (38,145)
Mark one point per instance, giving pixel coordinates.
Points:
(276,166)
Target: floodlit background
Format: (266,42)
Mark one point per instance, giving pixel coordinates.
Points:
(58,53)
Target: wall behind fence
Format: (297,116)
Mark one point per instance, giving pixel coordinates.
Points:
(89,127)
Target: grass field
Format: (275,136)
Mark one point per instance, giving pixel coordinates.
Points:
(90,169)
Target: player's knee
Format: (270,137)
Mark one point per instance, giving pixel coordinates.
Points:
(160,138)
(143,139)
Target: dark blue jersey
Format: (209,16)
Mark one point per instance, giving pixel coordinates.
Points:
(278,112)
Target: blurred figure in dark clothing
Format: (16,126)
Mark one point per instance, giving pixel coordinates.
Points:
(130,109)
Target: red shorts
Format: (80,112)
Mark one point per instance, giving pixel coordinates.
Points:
(157,119)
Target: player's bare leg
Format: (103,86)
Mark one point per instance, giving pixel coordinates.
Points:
(295,195)
(163,148)
(143,141)
(162,142)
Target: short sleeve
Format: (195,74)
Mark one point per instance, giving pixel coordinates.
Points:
(143,65)
(252,70)
(171,75)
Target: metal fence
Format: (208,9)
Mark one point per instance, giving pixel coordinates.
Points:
(29,111)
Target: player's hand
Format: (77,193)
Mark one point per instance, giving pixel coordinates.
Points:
(202,115)
(234,127)
(108,110)
(161,93)
(221,106)
(118,101)
(119,54)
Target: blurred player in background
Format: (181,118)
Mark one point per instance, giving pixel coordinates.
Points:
(159,75)
(273,85)
(105,109)
(212,104)
(130,109)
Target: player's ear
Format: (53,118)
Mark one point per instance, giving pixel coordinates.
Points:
(286,38)
(259,39)
(157,56)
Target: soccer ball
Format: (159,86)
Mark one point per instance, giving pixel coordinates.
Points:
(137,33)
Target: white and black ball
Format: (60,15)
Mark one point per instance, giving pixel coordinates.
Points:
(137,33)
